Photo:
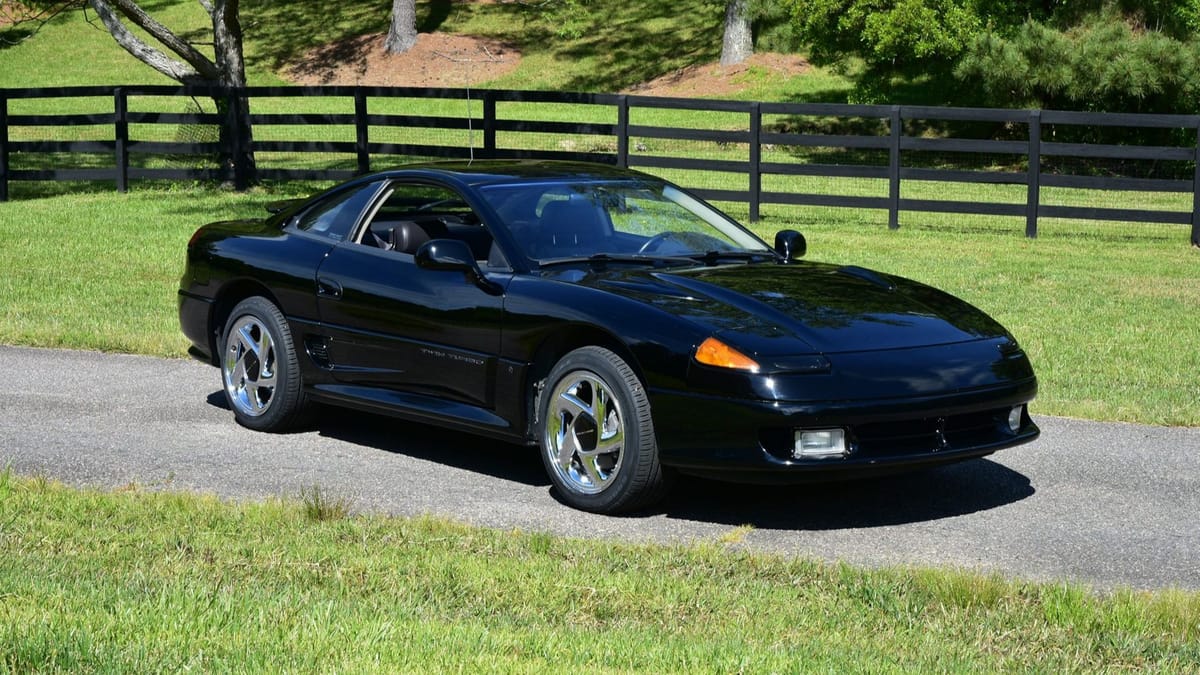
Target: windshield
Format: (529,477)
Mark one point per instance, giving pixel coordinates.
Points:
(573,219)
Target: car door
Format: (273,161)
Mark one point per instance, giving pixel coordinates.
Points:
(391,325)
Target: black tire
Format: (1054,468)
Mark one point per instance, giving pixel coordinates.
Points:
(260,374)
(625,475)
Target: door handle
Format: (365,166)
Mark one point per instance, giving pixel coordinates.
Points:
(327,288)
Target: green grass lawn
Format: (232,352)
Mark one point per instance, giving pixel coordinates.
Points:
(137,581)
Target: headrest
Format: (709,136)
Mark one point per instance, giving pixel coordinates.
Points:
(571,222)
(407,236)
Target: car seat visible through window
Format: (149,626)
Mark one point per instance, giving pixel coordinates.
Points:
(570,227)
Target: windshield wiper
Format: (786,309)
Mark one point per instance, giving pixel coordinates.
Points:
(604,258)
(714,256)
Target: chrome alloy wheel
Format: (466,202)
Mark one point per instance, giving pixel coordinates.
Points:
(585,433)
(249,366)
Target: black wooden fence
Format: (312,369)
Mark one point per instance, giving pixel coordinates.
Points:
(755,146)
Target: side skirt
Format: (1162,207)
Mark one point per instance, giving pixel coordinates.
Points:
(419,408)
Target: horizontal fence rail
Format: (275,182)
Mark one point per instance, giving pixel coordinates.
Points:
(751,153)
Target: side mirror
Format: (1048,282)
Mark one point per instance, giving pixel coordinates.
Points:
(790,244)
(452,255)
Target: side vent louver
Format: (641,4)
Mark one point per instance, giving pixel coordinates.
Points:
(317,347)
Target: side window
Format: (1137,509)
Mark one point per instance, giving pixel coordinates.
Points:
(411,214)
(335,216)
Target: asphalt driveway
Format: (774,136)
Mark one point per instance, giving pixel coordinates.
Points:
(1104,504)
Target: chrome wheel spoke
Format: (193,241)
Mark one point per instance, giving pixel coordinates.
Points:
(567,444)
(584,434)
(246,338)
(249,371)
(252,397)
(574,405)
(608,446)
(239,371)
(593,471)
(599,411)
(266,349)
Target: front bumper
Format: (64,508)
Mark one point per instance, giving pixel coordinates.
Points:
(752,440)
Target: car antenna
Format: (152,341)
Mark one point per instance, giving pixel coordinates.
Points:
(467,73)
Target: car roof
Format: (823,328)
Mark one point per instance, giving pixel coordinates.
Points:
(484,172)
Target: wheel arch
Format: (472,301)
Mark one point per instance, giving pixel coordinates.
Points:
(558,344)
(231,293)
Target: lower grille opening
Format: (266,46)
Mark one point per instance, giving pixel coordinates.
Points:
(900,438)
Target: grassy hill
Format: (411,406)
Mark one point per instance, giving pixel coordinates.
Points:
(604,45)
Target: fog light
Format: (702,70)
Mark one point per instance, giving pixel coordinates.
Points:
(818,443)
(1014,418)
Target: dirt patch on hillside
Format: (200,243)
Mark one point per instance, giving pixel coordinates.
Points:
(446,60)
(437,60)
(11,13)
(712,80)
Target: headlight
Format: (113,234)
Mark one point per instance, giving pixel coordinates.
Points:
(713,352)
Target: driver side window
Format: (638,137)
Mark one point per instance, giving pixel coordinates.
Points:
(411,214)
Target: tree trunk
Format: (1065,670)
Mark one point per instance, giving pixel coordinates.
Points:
(403,33)
(737,45)
(236,133)
(226,71)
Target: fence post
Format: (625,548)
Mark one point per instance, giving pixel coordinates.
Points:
(489,124)
(231,137)
(623,131)
(246,172)
(361,129)
(238,144)
(1195,190)
(755,160)
(121,116)
(3,147)
(894,171)
(1034,188)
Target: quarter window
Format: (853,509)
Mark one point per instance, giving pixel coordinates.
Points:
(335,216)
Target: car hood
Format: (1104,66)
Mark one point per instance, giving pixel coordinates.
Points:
(772,308)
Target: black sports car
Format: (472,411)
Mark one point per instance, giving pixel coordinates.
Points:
(619,323)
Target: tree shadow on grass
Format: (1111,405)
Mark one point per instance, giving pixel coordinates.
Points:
(281,31)
(631,47)
(642,41)
(438,12)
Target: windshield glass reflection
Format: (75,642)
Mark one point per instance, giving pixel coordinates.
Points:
(557,220)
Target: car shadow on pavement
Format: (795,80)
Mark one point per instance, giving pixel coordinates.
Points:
(427,442)
(217,400)
(480,455)
(923,495)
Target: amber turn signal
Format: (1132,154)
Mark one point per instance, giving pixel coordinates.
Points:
(713,352)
